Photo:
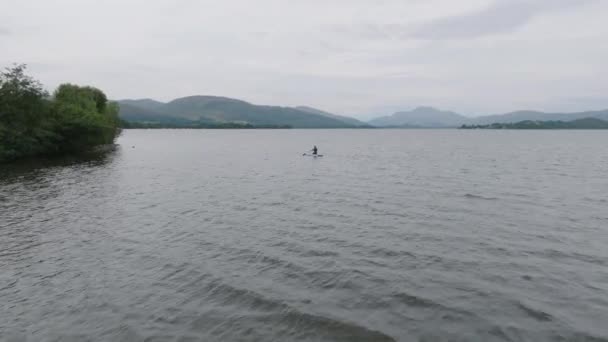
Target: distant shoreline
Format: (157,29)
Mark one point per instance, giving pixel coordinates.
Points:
(228,125)
(585,123)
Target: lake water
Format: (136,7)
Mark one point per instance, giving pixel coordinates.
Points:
(233,235)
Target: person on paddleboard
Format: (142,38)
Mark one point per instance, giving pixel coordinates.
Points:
(314,150)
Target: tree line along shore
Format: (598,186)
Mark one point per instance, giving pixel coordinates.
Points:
(70,120)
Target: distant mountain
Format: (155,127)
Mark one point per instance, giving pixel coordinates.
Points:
(144,103)
(585,123)
(348,120)
(132,113)
(433,118)
(420,117)
(222,110)
(519,116)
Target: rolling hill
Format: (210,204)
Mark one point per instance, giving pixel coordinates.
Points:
(346,119)
(585,123)
(147,104)
(429,117)
(420,117)
(528,115)
(132,113)
(222,110)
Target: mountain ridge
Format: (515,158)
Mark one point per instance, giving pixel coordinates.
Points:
(424,116)
(346,119)
(584,123)
(219,110)
(429,117)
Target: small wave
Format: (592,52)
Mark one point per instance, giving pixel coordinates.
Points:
(535,313)
(289,324)
(323,328)
(471,196)
(290,321)
(373,263)
(267,262)
(415,301)
(419,303)
(584,337)
(389,253)
(556,254)
(319,253)
(187,212)
(334,280)
(8,285)
(595,200)
(225,294)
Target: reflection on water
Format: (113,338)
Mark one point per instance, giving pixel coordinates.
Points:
(400,235)
(30,169)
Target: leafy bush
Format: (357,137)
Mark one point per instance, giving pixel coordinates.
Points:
(32,123)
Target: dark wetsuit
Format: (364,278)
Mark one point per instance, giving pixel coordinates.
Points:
(314,150)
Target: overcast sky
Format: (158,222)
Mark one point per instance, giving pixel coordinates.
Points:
(356,57)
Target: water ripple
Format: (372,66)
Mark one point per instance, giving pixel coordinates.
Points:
(397,235)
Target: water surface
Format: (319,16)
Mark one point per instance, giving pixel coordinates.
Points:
(233,235)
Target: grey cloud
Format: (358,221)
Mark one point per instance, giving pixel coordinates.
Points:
(368,31)
(367,56)
(500,17)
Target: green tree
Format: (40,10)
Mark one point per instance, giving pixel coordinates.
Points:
(25,127)
(74,119)
(85,116)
